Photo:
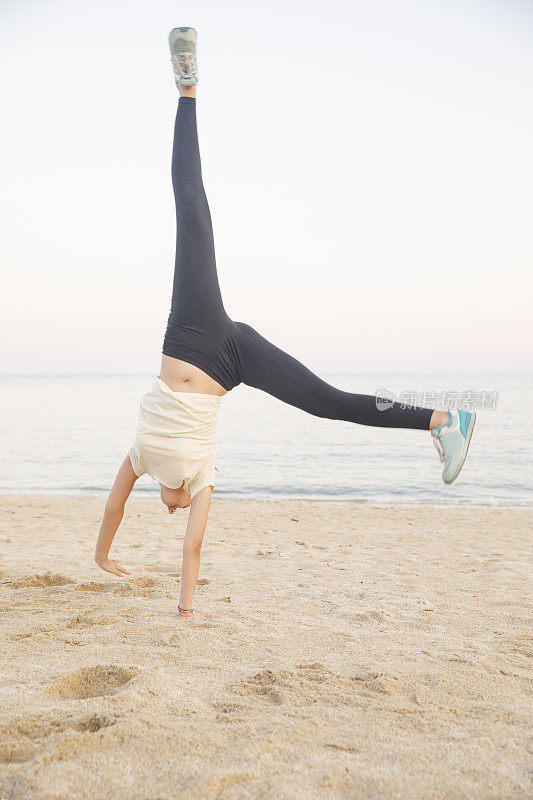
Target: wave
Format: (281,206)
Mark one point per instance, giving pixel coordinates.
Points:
(271,495)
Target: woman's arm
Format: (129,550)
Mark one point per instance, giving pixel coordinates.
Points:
(114,511)
(192,545)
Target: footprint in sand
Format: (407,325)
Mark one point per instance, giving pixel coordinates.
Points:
(140,587)
(313,683)
(41,581)
(298,686)
(21,737)
(96,681)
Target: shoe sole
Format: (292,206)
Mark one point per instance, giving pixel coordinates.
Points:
(186,82)
(463,459)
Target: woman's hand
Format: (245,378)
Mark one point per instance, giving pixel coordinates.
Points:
(111,566)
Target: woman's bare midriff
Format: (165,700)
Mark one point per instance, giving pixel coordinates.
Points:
(180,376)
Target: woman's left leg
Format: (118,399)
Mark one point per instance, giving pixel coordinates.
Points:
(264,366)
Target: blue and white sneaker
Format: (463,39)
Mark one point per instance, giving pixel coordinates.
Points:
(183,56)
(452,441)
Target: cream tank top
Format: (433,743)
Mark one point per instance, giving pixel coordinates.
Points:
(176,438)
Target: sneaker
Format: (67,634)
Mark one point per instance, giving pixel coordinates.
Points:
(452,441)
(183,56)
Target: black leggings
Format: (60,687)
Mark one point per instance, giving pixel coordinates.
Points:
(200,332)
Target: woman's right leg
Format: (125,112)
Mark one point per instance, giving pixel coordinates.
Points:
(196,292)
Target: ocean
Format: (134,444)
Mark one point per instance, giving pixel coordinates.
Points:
(67,436)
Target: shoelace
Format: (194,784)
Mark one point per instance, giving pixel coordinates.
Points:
(184,64)
(437,441)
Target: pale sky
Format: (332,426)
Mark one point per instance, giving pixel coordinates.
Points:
(369,166)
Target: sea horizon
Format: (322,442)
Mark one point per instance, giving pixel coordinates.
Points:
(67,434)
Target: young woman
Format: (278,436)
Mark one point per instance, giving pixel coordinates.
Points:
(206,354)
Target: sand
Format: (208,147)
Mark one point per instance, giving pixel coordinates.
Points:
(361,652)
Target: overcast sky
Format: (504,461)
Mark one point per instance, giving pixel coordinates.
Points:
(369,166)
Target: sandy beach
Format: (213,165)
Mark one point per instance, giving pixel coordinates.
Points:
(360,652)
